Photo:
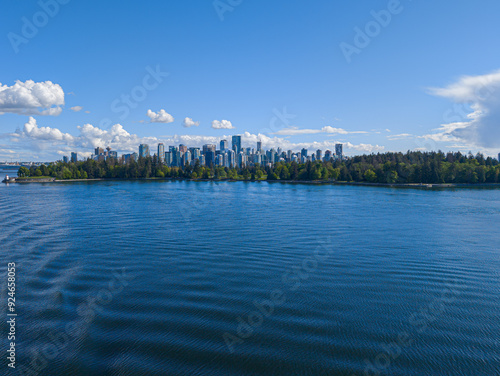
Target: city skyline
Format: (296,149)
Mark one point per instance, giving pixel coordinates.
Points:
(209,155)
(355,74)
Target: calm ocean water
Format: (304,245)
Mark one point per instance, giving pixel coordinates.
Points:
(200,278)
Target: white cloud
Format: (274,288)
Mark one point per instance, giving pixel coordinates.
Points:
(482,95)
(32,98)
(285,144)
(77,108)
(224,124)
(46,139)
(188,122)
(401,136)
(293,131)
(160,117)
(32,131)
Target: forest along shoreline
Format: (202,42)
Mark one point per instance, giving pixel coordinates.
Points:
(411,169)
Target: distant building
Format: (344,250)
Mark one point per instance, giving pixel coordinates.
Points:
(74,157)
(224,144)
(498,157)
(303,153)
(98,151)
(112,154)
(130,157)
(319,155)
(168,158)
(65,159)
(143,150)
(183,148)
(209,158)
(338,151)
(259,146)
(236,144)
(161,152)
(328,155)
(186,158)
(196,153)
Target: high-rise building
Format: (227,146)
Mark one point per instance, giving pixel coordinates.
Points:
(224,144)
(259,146)
(65,159)
(328,155)
(303,153)
(186,158)
(74,157)
(168,158)
(143,150)
(338,151)
(209,153)
(231,155)
(319,155)
(130,157)
(208,147)
(98,151)
(236,144)
(183,148)
(161,152)
(209,158)
(196,153)
(498,157)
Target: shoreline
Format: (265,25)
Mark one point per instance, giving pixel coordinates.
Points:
(313,182)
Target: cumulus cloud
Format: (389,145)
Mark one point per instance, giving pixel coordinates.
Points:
(77,108)
(32,131)
(48,141)
(285,144)
(188,123)
(224,124)
(32,98)
(481,128)
(160,117)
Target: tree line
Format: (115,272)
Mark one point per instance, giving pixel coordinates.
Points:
(388,168)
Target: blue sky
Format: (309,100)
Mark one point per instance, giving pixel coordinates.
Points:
(425,75)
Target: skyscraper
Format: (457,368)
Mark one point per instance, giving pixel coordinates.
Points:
(328,155)
(224,144)
(338,151)
(143,150)
(168,158)
(259,146)
(161,152)
(209,152)
(74,157)
(236,144)
(303,153)
(319,154)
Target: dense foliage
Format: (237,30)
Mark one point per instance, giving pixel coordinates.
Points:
(410,167)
